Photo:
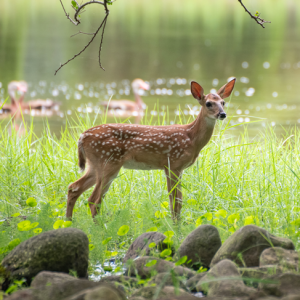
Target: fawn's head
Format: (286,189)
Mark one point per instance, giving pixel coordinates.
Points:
(213,104)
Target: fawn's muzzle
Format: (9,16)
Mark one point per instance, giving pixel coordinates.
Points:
(222,116)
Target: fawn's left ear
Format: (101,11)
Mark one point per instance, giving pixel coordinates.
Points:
(226,89)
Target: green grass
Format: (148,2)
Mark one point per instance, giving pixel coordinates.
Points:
(250,179)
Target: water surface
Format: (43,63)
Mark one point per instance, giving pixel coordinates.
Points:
(165,43)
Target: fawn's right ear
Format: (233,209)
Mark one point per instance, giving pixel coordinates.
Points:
(197,91)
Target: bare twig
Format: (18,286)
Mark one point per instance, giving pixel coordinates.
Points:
(100,47)
(80,32)
(76,21)
(257,19)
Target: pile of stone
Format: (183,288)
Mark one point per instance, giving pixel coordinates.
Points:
(251,264)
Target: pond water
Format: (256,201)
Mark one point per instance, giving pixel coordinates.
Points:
(166,43)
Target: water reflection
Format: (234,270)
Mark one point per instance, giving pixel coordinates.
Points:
(165,43)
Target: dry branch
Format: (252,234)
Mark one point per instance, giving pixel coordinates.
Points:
(257,18)
(76,22)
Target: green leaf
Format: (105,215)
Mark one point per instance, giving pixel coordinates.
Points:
(67,224)
(221,213)
(166,252)
(31,202)
(12,244)
(107,268)
(198,222)
(233,218)
(106,241)
(114,253)
(15,215)
(208,216)
(58,224)
(296,222)
(11,289)
(152,245)
(169,233)
(74,4)
(123,230)
(181,261)
(249,220)
(151,263)
(91,247)
(165,204)
(168,241)
(192,202)
(33,225)
(152,229)
(38,230)
(24,225)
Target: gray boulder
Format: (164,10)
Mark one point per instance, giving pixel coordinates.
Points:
(138,267)
(60,250)
(193,281)
(159,293)
(25,294)
(246,245)
(201,245)
(104,291)
(47,278)
(281,285)
(253,275)
(168,279)
(140,246)
(223,280)
(285,259)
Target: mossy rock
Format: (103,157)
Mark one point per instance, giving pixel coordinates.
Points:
(200,246)
(245,246)
(59,250)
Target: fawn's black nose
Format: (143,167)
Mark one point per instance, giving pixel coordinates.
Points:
(222,115)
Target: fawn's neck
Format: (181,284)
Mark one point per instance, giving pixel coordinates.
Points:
(201,130)
(138,99)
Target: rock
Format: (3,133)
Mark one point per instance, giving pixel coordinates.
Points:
(125,280)
(65,289)
(25,294)
(291,297)
(184,297)
(104,291)
(167,279)
(201,245)
(246,245)
(257,273)
(138,267)
(47,278)
(140,246)
(282,285)
(167,291)
(286,259)
(229,285)
(60,250)
(193,281)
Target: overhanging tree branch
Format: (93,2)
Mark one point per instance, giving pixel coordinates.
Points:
(257,18)
(76,21)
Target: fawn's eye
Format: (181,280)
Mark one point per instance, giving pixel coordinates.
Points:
(223,103)
(208,104)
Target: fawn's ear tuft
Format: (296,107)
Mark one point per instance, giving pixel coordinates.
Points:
(197,90)
(226,89)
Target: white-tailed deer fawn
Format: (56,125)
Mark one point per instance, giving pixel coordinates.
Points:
(173,148)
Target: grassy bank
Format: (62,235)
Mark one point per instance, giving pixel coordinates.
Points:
(236,181)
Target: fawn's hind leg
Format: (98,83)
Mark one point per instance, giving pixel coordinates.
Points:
(77,188)
(102,186)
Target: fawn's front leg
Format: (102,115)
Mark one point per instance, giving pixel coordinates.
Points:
(175,194)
